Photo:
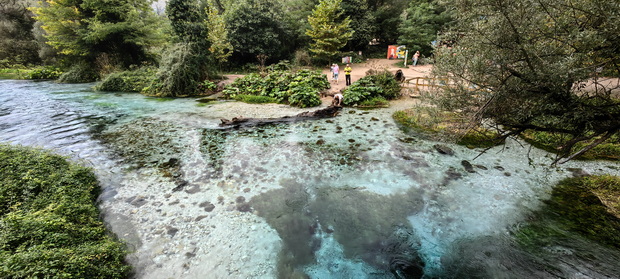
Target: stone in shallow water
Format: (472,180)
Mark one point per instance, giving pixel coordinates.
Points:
(193,190)
(137,201)
(468,166)
(208,206)
(443,149)
(171,231)
(451,174)
(244,207)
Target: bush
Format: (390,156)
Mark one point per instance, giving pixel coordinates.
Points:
(45,73)
(49,223)
(79,73)
(302,58)
(304,97)
(127,81)
(381,84)
(282,85)
(182,70)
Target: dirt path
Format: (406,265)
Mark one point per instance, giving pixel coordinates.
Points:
(359,71)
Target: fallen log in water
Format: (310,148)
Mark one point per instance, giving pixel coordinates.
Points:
(330,111)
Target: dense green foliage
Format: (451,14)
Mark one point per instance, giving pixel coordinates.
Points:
(127,81)
(257,27)
(388,16)
(47,72)
(576,206)
(39,72)
(423,21)
(328,32)
(381,84)
(17,42)
(79,73)
(102,34)
(49,224)
(534,65)
(186,64)
(220,46)
(362,23)
(300,88)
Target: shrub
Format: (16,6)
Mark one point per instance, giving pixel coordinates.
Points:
(304,97)
(378,84)
(45,73)
(127,81)
(302,58)
(282,85)
(79,73)
(182,70)
(49,223)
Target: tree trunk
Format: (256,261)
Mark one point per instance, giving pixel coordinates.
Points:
(236,122)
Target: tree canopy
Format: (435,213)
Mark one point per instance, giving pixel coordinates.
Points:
(17,42)
(423,20)
(85,29)
(328,31)
(535,65)
(257,27)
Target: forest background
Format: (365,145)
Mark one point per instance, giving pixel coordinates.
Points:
(527,65)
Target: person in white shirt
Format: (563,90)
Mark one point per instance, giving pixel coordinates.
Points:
(337,100)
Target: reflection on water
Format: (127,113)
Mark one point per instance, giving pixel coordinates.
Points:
(347,197)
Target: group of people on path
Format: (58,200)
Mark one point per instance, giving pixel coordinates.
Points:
(335,69)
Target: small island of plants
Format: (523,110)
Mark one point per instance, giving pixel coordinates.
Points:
(50,226)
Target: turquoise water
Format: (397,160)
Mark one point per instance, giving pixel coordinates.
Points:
(346,197)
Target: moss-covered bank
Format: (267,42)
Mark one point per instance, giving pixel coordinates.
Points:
(433,124)
(588,205)
(553,142)
(49,222)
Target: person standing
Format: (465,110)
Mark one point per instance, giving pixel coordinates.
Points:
(347,74)
(415,58)
(335,72)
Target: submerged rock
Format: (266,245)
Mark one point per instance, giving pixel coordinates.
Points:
(451,174)
(468,166)
(208,206)
(443,149)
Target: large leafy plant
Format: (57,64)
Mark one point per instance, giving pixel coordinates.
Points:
(299,88)
(378,85)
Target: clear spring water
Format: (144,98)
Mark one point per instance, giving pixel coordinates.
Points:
(346,197)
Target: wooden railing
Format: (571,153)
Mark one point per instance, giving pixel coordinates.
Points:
(425,81)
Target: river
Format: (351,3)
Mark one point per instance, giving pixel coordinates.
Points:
(346,197)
